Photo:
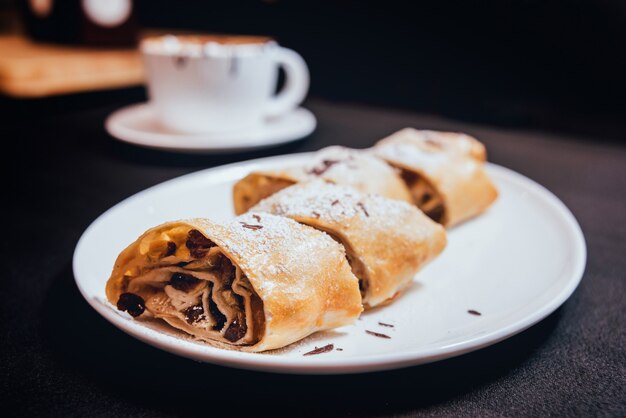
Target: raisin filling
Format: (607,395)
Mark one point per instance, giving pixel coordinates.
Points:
(199,291)
(220,318)
(236,330)
(198,244)
(131,303)
(194,313)
(424,195)
(183,282)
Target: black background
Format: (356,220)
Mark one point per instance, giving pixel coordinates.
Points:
(554,65)
(514,62)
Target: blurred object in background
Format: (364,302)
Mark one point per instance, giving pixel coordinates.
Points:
(557,65)
(31,69)
(83,22)
(60,47)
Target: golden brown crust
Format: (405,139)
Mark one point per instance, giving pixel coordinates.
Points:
(350,167)
(257,186)
(299,274)
(387,240)
(461,183)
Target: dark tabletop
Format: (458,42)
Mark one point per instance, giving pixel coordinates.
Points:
(60,358)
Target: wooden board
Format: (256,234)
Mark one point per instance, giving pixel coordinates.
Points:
(29,69)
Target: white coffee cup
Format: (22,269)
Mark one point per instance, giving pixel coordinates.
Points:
(220,83)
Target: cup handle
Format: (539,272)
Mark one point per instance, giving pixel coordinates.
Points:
(296,82)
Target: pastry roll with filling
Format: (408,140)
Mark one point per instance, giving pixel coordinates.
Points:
(449,187)
(351,167)
(256,283)
(437,141)
(386,241)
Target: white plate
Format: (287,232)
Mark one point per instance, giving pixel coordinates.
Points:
(514,264)
(138,125)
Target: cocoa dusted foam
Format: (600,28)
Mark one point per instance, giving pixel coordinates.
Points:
(197,44)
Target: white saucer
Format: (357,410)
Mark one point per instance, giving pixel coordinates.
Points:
(137,124)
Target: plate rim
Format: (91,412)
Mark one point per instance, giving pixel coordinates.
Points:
(363,364)
(139,138)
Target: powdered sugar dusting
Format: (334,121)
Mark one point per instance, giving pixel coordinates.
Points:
(414,155)
(281,245)
(438,141)
(387,240)
(341,205)
(356,168)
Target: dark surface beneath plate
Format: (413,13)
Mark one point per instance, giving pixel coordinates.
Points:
(60,358)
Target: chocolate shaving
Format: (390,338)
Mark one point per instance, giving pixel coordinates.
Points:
(339,349)
(326,164)
(320,350)
(249,226)
(316,214)
(180,62)
(378,334)
(257,217)
(385,325)
(473,312)
(362,206)
(334,202)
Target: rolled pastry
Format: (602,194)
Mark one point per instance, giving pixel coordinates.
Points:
(351,167)
(448,186)
(437,141)
(257,282)
(386,241)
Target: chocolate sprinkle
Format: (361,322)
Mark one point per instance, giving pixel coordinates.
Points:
(320,350)
(378,334)
(473,312)
(362,206)
(316,214)
(334,202)
(180,62)
(131,303)
(385,325)
(339,349)
(257,217)
(326,164)
(249,226)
